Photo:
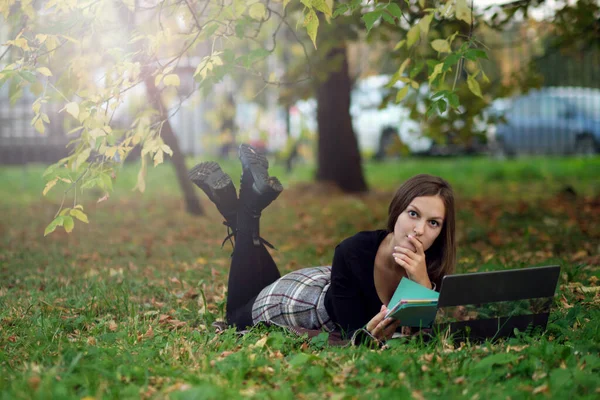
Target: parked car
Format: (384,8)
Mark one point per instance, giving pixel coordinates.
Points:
(561,120)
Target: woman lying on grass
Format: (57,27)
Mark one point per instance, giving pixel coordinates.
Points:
(351,295)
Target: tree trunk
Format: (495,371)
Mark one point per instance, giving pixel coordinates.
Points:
(192,204)
(339,159)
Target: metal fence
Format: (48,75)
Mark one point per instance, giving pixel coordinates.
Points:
(565,119)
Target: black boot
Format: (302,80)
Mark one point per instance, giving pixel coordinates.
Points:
(220,189)
(257,191)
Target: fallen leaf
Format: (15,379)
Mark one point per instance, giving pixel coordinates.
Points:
(260,343)
(541,389)
(417,395)
(164,318)
(34,382)
(149,333)
(112,326)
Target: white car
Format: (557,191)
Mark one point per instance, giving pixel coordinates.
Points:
(373,126)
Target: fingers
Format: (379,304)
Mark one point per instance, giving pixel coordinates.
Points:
(381,327)
(388,332)
(417,243)
(376,320)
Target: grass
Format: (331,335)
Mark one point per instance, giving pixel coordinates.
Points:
(122,307)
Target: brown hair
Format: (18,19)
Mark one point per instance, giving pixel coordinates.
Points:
(441,256)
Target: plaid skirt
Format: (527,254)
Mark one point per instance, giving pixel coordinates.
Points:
(296,299)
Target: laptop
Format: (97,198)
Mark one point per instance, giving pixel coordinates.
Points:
(491,305)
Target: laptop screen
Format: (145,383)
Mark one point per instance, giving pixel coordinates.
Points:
(492,304)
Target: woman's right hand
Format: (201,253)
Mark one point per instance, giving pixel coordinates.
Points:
(381,327)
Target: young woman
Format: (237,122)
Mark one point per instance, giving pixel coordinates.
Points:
(351,295)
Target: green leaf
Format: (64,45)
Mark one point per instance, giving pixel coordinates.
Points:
(416,69)
(311,22)
(496,359)
(474,86)
(79,215)
(401,94)
(106,182)
(321,5)
(388,18)
(441,46)
(300,359)
(474,54)
(58,221)
(412,36)
(68,223)
(28,76)
(453,100)
(451,60)
(370,18)
(257,11)
(395,10)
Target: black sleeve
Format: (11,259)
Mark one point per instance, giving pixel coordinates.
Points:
(346,296)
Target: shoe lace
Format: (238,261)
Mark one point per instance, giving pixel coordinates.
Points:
(231,234)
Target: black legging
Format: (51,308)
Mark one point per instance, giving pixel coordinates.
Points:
(252,269)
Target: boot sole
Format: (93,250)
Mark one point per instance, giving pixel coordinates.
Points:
(258,166)
(209,177)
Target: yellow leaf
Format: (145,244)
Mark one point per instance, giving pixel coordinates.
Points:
(158,157)
(412,36)
(311,22)
(141,183)
(425,22)
(441,46)
(401,94)
(68,223)
(41,38)
(44,71)
(51,44)
(399,44)
(436,71)
(171,80)
(474,86)
(166,149)
(49,186)
(158,79)
(73,109)
(79,215)
(39,126)
(257,11)
(463,11)
(111,151)
(403,66)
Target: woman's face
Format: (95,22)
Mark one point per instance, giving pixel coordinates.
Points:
(423,219)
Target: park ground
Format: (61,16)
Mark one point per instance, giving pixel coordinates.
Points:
(123,306)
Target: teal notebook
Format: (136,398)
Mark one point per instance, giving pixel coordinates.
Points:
(413,304)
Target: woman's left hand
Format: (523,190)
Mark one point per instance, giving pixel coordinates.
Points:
(413,262)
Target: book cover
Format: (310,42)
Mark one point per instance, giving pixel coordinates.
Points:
(413,304)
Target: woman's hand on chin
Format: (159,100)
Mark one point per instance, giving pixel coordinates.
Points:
(413,262)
